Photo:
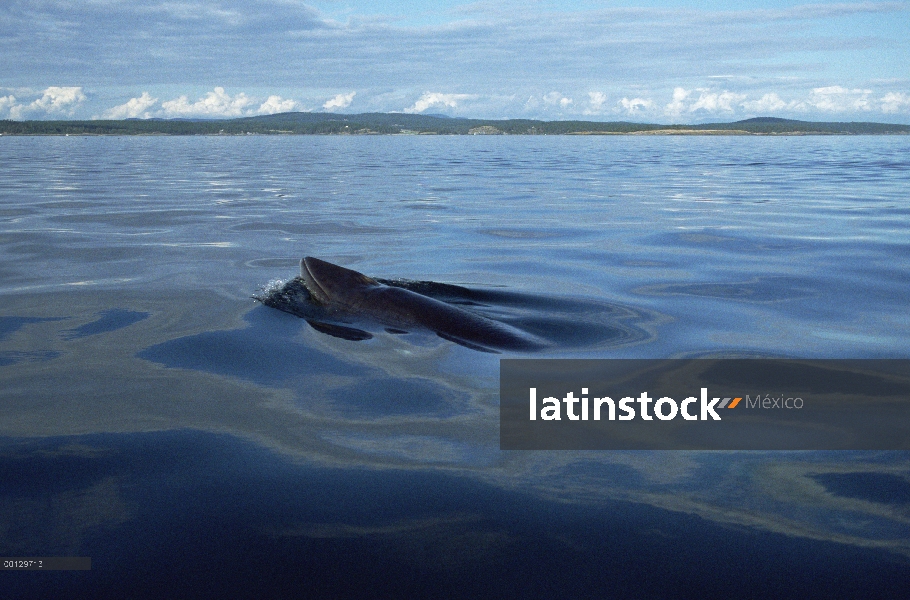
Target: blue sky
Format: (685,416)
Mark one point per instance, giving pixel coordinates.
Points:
(681,61)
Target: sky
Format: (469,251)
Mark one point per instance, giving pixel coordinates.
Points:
(681,61)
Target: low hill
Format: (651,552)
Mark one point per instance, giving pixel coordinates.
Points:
(399,123)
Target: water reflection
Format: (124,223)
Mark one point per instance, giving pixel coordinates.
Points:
(153,414)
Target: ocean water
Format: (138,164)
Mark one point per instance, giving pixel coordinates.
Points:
(195,443)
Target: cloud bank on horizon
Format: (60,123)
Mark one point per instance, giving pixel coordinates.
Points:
(118,59)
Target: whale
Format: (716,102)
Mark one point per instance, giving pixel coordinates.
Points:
(331,298)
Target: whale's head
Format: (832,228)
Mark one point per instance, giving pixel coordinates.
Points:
(328,283)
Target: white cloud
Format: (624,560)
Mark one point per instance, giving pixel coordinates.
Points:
(895,102)
(340,101)
(135,108)
(59,99)
(634,105)
(839,99)
(596,103)
(677,105)
(276,104)
(7,102)
(713,102)
(770,102)
(430,99)
(707,101)
(554,98)
(54,100)
(216,103)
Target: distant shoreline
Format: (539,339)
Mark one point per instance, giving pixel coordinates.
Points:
(416,124)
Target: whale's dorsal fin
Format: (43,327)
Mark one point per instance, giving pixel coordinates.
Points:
(328,282)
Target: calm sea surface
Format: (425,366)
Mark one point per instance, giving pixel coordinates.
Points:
(195,443)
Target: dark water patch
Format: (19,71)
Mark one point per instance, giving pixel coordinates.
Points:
(186,514)
(11,214)
(897,210)
(313,228)
(606,258)
(395,397)
(724,242)
(35,237)
(73,252)
(10,325)
(110,320)
(73,205)
(535,233)
(618,475)
(250,353)
(39,468)
(886,488)
(12,358)
(426,204)
(8,273)
(352,334)
(148,218)
(758,289)
(570,333)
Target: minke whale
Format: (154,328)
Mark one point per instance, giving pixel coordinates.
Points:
(332,298)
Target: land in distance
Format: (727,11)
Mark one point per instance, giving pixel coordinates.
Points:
(404,124)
